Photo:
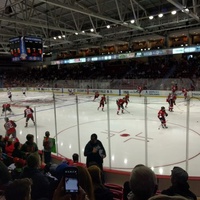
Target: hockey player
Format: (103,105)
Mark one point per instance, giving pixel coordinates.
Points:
(120,105)
(139,90)
(174,88)
(6,107)
(171,99)
(161,116)
(126,100)
(102,102)
(184,91)
(24,91)
(96,95)
(10,128)
(9,94)
(70,92)
(28,114)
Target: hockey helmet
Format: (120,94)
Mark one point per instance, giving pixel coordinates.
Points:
(162,108)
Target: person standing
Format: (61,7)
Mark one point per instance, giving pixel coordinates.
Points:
(161,115)
(174,88)
(24,91)
(171,99)
(102,102)
(9,94)
(94,151)
(139,90)
(184,91)
(126,99)
(96,95)
(10,127)
(47,144)
(28,114)
(120,105)
(6,107)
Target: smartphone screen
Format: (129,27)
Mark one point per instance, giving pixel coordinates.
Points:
(71,180)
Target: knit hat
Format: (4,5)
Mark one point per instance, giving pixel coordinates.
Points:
(179,174)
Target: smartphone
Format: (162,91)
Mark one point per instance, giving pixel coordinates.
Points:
(71,180)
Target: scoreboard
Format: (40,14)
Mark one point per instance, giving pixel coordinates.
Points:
(26,48)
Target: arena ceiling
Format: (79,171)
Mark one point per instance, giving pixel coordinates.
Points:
(74,24)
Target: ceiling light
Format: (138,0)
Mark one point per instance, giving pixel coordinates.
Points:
(160,15)
(54,38)
(173,12)
(63,36)
(132,21)
(185,10)
(150,17)
(83,31)
(76,33)
(108,26)
(59,37)
(91,30)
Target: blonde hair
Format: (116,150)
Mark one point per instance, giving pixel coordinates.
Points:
(95,173)
(85,181)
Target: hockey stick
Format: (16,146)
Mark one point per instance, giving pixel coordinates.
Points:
(19,119)
(128,111)
(159,127)
(179,108)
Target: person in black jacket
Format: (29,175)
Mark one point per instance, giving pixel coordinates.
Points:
(95,152)
(17,152)
(180,186)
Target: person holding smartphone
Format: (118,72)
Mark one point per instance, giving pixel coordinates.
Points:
(95,152)
(61,194)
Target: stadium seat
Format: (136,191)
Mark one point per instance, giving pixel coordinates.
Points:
(117,195)
(114,186)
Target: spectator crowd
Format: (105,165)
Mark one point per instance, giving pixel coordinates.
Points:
(24,175)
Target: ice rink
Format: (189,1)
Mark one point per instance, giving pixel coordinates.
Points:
(123,136)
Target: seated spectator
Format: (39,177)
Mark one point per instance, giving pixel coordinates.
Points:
(60,169)
(100,191)
(17,152)
(180,186)
(142,183)
(85,181)
(19,190)
(5,176)
(75,157)
(1,154)
(2,143)
(40,186)
(9,148)
(18,168)
(75,162)
(60,194)
(29,146)
(126,186)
